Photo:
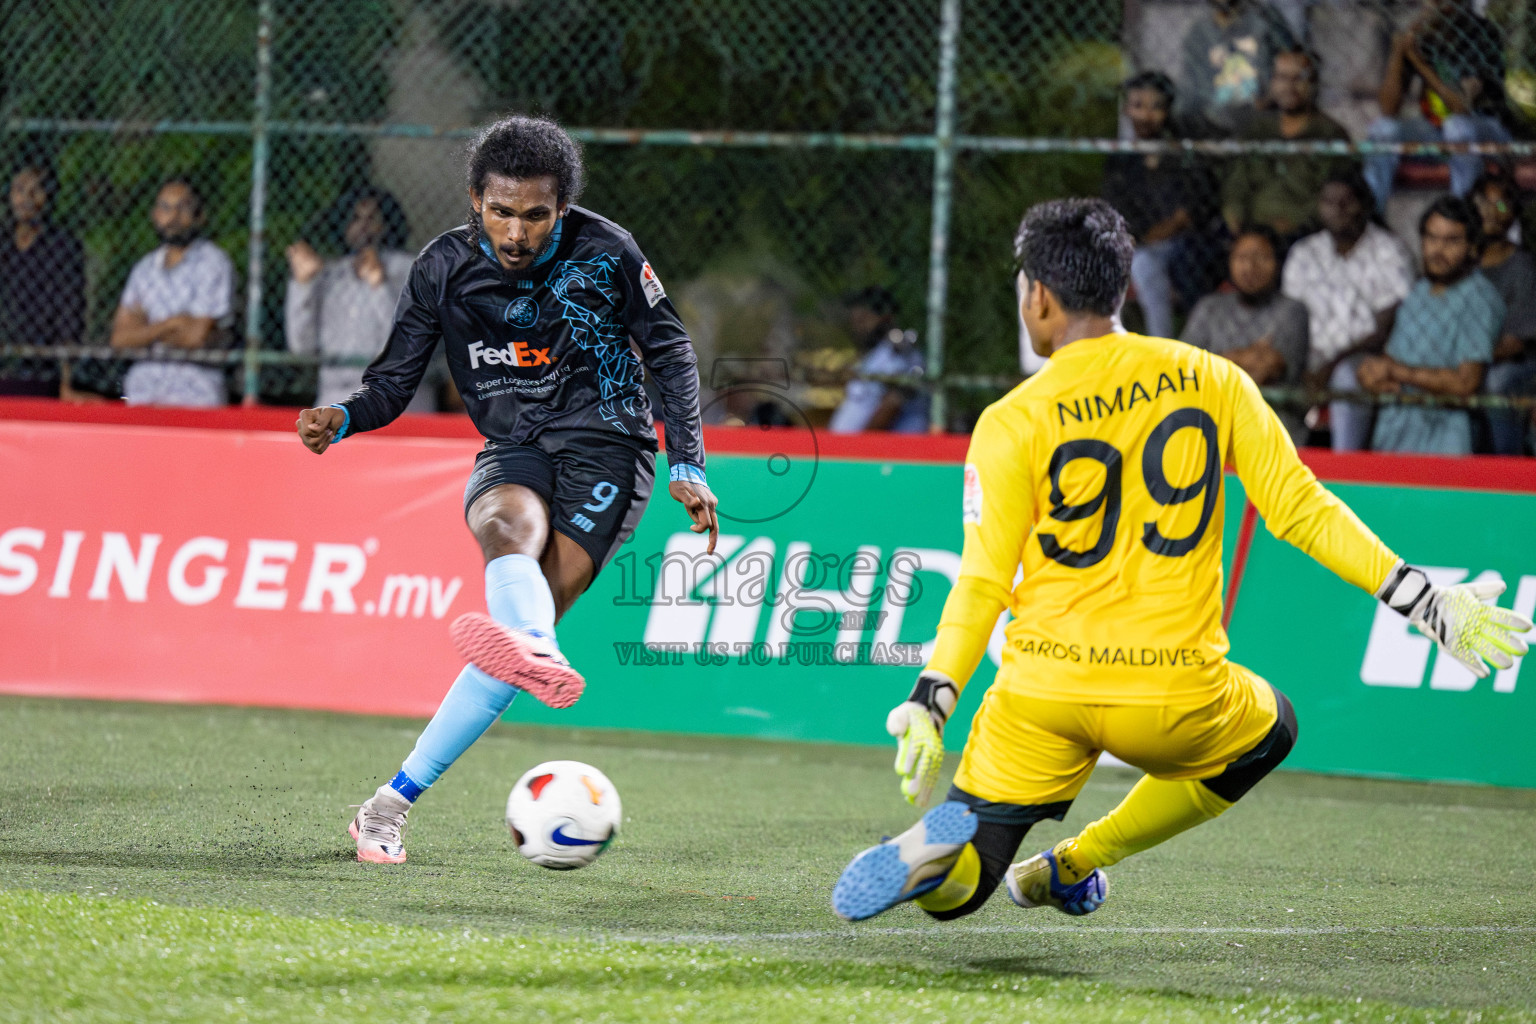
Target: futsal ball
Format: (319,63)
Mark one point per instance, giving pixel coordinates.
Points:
(562,814)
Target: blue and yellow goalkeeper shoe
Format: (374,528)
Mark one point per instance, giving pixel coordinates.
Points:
(1036,883)
(905,867)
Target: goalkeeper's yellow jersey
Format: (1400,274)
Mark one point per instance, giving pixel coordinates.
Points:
(1093,510)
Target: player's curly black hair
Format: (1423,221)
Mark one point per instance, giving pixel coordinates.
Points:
(1078,248)
(521,146)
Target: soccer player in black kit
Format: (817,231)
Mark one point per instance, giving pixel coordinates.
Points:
(542,307)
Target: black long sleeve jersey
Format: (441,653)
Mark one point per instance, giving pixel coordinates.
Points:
(544,349)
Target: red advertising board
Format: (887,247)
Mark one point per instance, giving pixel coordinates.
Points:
(177,564)
(198,556)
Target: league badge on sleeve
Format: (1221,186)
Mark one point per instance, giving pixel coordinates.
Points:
(651,285)
(970,510)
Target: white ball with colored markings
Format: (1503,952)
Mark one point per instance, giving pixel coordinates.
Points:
(563,814)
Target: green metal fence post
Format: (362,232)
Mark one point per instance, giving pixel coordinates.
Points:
(943,174)
(260,146)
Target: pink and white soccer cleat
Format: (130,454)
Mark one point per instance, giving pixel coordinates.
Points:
(378,825)
(517,659)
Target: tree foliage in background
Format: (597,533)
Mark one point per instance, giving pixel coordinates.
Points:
(184,61)
(825,219)
(839,219)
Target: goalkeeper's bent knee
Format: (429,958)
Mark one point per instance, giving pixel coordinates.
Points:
(1002,827)
(1243,774)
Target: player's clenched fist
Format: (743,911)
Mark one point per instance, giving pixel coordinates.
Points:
(318,427)
(918,725)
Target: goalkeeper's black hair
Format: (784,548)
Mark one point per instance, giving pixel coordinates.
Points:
(1078,248)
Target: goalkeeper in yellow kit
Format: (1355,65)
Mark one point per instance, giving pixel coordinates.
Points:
(1101,476)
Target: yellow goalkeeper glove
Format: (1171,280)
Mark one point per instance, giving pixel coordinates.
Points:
(918,725)
(1458,618)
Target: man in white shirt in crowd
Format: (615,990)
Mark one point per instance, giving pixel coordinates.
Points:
(345,306)
(179,297)
(888,351)
(1351,276)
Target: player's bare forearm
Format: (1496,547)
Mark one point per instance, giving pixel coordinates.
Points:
(701,504)
(318,427)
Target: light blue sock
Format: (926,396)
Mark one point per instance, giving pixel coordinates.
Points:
(474,701)
(518,595)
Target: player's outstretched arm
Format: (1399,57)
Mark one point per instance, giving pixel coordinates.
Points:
(668,353)
(319,427)
(997,513)
(1302,512)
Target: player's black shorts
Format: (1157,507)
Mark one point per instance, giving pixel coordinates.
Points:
(595,484)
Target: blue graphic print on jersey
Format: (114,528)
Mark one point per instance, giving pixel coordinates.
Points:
(603,337)
(570,368)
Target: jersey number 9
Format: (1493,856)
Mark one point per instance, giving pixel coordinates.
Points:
(1207,488)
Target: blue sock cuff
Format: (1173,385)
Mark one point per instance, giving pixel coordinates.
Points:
(518,595)
(514,564)
(406,786)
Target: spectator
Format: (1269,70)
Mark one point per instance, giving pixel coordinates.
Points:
(1351,275)
(1457,58)
(1281,191)
(888,351)
(1253,325)
(178,297)
(1512,272)
(1162,199)
(1225,57)
(345,306)
(42,288)
(1442,339)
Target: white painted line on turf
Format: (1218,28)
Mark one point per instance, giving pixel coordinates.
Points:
(1085,929)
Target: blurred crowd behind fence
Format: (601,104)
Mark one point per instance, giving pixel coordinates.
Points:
(770,156)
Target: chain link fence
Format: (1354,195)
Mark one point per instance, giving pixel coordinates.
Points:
(771,156)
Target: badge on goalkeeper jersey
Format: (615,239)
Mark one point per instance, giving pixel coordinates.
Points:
(970,511)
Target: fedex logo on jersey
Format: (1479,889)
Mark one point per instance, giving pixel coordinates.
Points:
(518,353)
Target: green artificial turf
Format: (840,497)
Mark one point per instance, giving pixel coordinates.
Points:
(153,858)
